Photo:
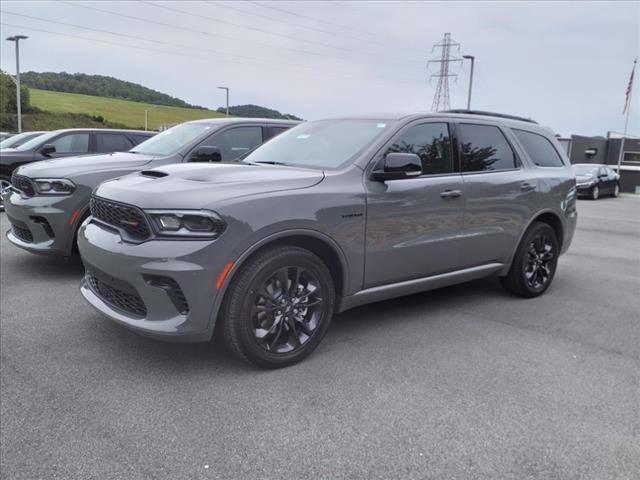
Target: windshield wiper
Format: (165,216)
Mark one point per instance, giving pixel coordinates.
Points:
(269,162)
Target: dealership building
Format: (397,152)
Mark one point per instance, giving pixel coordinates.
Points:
(606,150)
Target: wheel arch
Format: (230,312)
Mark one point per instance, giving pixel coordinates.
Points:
(547,216)
(316,242)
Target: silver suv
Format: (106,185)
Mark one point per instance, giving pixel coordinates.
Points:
(327,216)
(49,199)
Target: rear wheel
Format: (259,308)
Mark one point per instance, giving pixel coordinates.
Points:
(535,262)
(278,308)
(595,193)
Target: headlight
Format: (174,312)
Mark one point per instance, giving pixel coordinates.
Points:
(54,186)
(186,223)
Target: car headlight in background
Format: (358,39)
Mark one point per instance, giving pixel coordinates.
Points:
(186,223)
(54,186)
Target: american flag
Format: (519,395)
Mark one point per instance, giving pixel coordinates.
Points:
(629,88)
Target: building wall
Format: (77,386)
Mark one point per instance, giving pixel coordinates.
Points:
(579,144)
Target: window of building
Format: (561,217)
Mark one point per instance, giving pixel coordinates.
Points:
(631,157)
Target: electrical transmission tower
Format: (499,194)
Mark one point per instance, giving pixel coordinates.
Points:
(441,98)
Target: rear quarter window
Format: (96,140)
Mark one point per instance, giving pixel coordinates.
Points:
(540,150)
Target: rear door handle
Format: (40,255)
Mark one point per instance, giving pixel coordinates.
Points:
(451,194)
(527,187)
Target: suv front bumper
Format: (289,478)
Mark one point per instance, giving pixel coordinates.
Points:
(42,224)
(142,288)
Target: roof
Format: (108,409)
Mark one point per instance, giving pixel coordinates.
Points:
(228,120)
(465,114)
(90,129)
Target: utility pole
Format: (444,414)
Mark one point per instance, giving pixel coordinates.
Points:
(441,98)
(473,59)
(17,38)
(227,90)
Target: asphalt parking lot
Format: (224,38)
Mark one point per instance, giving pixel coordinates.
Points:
(462,382)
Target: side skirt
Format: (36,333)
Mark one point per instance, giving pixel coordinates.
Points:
(408,287)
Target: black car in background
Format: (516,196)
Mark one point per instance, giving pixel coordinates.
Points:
(18,139)
(67,143)
(594,180)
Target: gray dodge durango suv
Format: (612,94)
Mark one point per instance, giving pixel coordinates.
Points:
(327,216)
(50,199)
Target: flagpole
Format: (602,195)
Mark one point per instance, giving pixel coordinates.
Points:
(626,122)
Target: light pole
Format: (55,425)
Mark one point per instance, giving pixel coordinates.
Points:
(17,38)
(472,58)
(227,90)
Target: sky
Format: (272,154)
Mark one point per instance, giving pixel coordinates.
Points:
(564,64)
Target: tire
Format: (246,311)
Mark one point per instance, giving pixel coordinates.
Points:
(595,193)
(616,191)
(4,183)
(261,321)
(535,262)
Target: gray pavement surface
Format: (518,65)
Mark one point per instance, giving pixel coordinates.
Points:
(462,382)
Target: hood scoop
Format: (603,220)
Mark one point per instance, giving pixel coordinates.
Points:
(154,173)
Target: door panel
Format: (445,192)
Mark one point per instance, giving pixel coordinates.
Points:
(497,205)
(412,231)
(499,194)
(414,225)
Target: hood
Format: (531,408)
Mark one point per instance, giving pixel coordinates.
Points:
(198,186)
(584,178)
(68,167)
(9,155)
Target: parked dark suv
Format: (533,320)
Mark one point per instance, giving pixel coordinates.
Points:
(50,199)
(66,143)
(327,216)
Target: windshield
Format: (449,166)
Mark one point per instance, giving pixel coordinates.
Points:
(37,141)
(19,139)
(172,140)
(586,170)
(325,144)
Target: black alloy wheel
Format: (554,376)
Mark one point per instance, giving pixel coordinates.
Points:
(539,261)
(286,310)
(278,307)
(534,264)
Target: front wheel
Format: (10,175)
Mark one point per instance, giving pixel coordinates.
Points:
(535,262)
(5,182)
(278,307)
(595,193)
(616,191)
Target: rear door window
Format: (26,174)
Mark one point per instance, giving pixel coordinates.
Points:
(539,149)
(72,143)
(430,142)
(112,142)
(484,148)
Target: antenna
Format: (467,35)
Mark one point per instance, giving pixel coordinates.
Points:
(441,98)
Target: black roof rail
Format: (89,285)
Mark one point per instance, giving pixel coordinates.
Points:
(489,114)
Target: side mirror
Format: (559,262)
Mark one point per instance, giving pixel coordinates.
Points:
(603,175)
(398,166)
(206,154)
(47,149)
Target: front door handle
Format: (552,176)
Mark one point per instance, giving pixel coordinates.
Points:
(527,187)
(451,194)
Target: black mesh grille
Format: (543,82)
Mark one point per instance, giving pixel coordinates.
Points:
(128,302)
(23,184)
(128,218)
(21,231)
